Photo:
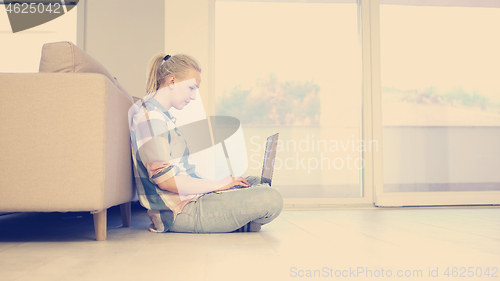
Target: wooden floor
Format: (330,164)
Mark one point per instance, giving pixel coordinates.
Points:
(340,244)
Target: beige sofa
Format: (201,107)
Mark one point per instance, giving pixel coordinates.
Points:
(64,141)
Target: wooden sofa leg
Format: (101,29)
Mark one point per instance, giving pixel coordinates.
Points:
(100,225)
(125,210)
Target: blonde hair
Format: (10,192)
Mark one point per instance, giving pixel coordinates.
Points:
(159,69)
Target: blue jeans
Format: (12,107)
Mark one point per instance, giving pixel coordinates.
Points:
(227,211)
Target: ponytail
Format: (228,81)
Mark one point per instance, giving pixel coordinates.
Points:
(159,69)
(153,80)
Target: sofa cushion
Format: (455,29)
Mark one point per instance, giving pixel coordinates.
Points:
(66,57)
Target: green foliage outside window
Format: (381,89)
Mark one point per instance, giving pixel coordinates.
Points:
(455,97)
(271,102)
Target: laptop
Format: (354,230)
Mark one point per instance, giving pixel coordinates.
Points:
(268,165)
(269,156)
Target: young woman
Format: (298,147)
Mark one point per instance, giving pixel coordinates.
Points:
(178,199)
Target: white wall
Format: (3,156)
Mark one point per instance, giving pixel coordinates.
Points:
(124,35)
(189,29)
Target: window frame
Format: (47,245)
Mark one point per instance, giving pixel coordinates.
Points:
(372,175)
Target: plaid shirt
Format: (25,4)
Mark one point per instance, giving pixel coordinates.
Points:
(159,153)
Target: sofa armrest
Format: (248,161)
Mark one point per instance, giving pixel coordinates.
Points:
(66,145)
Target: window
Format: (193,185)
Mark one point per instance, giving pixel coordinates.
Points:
(440,97)
(294,68)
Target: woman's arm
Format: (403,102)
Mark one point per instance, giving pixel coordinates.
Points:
(189,185)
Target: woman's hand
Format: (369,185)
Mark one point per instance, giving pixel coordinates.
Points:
(189,185)
(231,181)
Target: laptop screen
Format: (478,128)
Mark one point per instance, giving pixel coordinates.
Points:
(269,156)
